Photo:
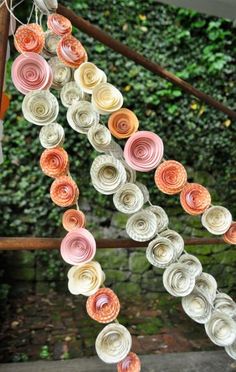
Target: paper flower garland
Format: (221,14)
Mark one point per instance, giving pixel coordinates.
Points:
(103,306)
(52,135)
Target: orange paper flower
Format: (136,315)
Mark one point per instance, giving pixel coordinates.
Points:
(59,24)
(73,219)
(230,235)
(130,364)
(64,191)
(71,52)
(123,123)
(29,38)
(103,306)
(170,177)
(54,162)
(195,198)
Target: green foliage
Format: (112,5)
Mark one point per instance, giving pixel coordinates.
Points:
(197,48)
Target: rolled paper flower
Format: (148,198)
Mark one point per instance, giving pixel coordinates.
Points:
(71,52)
(128,199)
(123,123)
(103,306)
(197,306)
(161,252)
(85,278)
(106,98)
(50,45)
(64,191)
(51,135)
(115,150)
(88,76)
(178,280)
(81,116)
(99,137)
(217,220)
(70,94)
(130,173)
(195,198)
(170,177)
(144,190)
(73,219)
(221,329)
(161,217)
(61,74)
(231,350)
(142,226)
(30,71)
(59,24)
(193,263)
(206,283)
(176,239)
(78,247)
(29,38)
(113,343)
(40,107)
(107,174)
(131,363)
(230,235)
(225,304)
(143,151)
(54,162)
(46,6)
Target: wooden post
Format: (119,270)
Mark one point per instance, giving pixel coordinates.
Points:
(123,49)
(4,30)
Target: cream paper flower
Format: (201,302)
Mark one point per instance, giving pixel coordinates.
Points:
(107,174)
(178,280)
(88,76)
(175,238)
(115,150)
(225,304)
(81,116)
(40,107)
(71,93)
(142,226)
(206,283)
(50,45)
(100,137)
(221,329)
(144,190)
(106,98)
(192,262)
(217,220)
(128,199)
(62,74)
(130,173)
(113,343)
(161,217)
(197,306)
(231,350)
(161,252)
(51,135)
(86,278)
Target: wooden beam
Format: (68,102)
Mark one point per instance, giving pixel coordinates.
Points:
(33,243)
(4,31)
(123,49)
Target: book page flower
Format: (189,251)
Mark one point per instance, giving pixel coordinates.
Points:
(29,38)
(70,94)
(195,198)
(197,306)
(130,173)
(131,363)
(193,263)
(64,191)
(231,350)
(221,329)
(161,217)
(142,226)
(128,199)
(78,246)
(123,123)
(73,219)
(71,52)
(88,76)
(54,162)
(225,304)
(178,280)
(50,45)
(143,151)
(217,219)
(206,283)
(103,306)
(51,135)
(99,137)
(230,235)
(106,98)
(161,252)
(175,238)
(81,116)
(61,74)
(170,177)
(59,24)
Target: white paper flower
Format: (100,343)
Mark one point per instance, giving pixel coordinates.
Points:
(51,135)
(130,173)
(161,216)
(144,190)
(128,199)
(206,283)
(71,93)
(107,174)
(62,74)
(81,116)
(113,343)
(217,220)
(86,278)
(175,239)
(100,137)
(106,98)
(225,304)
(178,280)
(221,329)
(197,306)
(142,226)
(50,45)
(231,350)
(193,263)
(161,252)
(88,76)
(115,150)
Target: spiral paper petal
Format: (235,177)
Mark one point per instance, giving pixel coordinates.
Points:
(206,283)
(175,238)
(130,364)
(128,199)
(103,306)
(73,219)
(40,107)
(50,45)
(161,217)
(99,137)
(51,135)
(225,304)
(178,280)
(221,329)
(113,343)
(29,38)
(115,150)
(197,307)
(71,52)
(193,263)
(161,252)
(64,191)
(88,76)
(59,24)
(54,162)
(81,116)
(217,220)
(130,173)
(107,174)
(230,235)
(143,151)
(170,177)
(61,74)
(70,94)
(123,123)
(142,226)
(195,198)
(144,190)
(106,98)
(85,278)
(78,247)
